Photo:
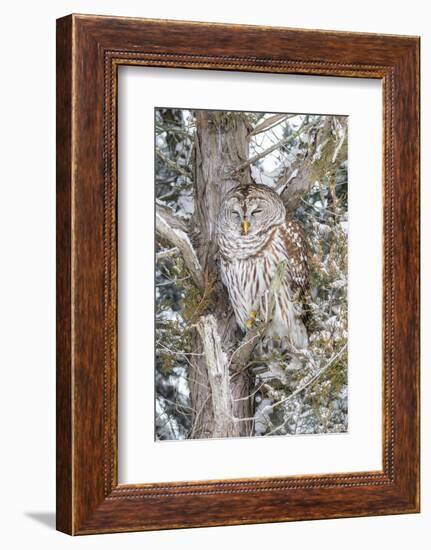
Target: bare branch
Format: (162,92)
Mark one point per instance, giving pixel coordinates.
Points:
(343,132)
(175,403)
(282,142)
(173,165)
(218,374)
(241,355)
(174,230)
(174,221)
(252,394)
(270,123)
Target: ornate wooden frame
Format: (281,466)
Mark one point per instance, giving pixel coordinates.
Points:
(89,51)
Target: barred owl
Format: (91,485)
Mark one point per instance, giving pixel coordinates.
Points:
(255,238)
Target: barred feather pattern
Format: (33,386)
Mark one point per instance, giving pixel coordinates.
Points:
(249,263)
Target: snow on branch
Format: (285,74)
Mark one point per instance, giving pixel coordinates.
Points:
(305,384)
(174,230)
(167,253)
(292,187)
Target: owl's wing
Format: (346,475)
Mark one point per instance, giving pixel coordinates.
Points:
(295,245)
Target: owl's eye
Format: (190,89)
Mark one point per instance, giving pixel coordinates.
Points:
(236,213)
(257,211)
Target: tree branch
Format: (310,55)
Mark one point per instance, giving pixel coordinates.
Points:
(269,123)
(174,230)
(173,165)
(303,173)
(306,384)
(241,355)
(284,141)
(163,254)
(218,374)
(291,189)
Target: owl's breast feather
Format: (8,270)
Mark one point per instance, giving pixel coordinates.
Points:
(247,280)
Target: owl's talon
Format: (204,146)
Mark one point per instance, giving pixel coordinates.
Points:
(251,319)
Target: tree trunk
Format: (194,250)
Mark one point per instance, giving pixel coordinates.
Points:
(220,397)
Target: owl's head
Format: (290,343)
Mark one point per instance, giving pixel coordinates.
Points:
(250,210)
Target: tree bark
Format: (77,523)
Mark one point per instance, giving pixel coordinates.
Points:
(220,396)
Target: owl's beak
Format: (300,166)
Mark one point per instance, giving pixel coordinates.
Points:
(245,226)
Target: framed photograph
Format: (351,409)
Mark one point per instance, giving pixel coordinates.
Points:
(237,274)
